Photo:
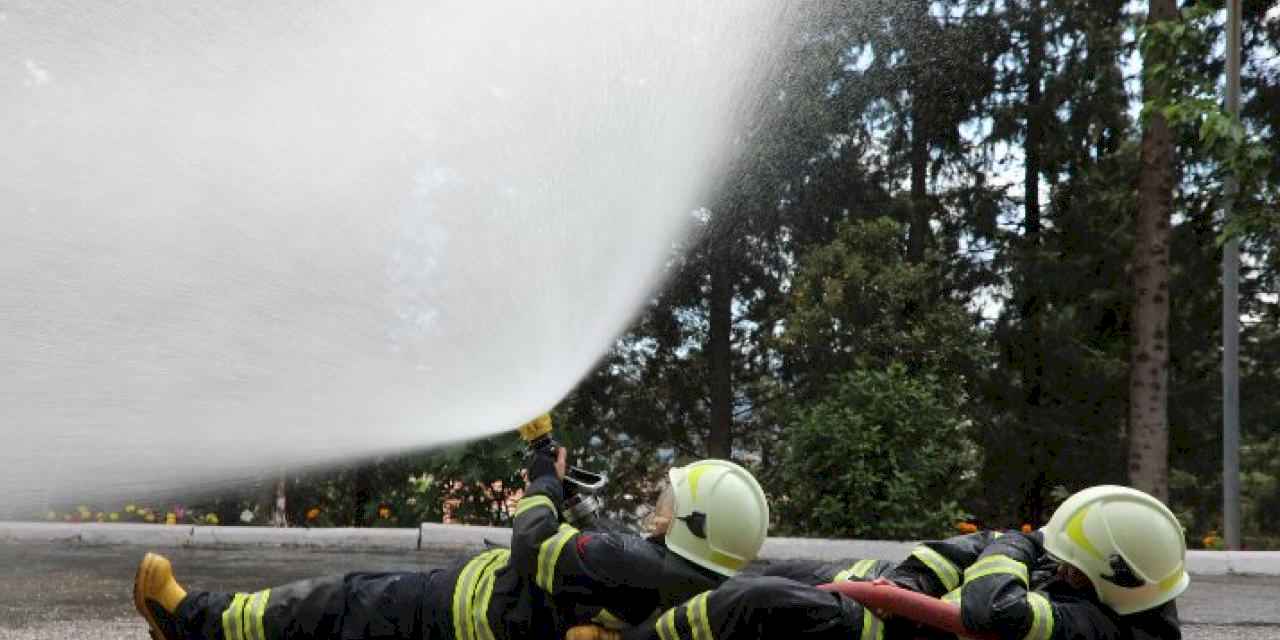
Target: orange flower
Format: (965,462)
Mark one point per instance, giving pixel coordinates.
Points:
(384,512)
(966,527)
(1026,528)
(313,513)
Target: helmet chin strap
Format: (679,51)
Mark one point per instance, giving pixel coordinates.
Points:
(697,523)
(1122,575)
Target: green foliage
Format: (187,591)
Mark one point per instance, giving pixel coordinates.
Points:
(883,455)
(856,302)
(1190,99)
(879,362)
(470,482)
(1260,486)
(477,480)
(1200,497)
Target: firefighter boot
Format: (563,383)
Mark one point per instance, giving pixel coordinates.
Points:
(156,595)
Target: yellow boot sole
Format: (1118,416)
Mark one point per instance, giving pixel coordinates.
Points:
(154,581)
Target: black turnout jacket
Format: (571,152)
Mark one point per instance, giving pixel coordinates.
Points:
(1004,583)
(554,576)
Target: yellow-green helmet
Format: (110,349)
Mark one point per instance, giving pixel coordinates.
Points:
(1127,542)
(720,518)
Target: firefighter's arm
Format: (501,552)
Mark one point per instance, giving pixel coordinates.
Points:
(593,563)
(762,607)
(537,517)
(560,558)
(807,571)
(996,597)
(816,572)
(935,568)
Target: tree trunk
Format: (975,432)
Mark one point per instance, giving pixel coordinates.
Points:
(720,440)
(362,492)
(919,58)
(280,514)
(1031,204)
(918,233)
(1149,367)
(1030,304)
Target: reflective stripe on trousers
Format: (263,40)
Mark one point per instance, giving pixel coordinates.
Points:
(243,619)
(471,595)
(694,618)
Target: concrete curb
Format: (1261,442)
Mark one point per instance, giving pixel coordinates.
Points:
(445,538)
(1201,563)
(162,536)
(1244,563)
(832,550)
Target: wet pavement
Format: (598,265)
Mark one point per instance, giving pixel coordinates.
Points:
(71,592)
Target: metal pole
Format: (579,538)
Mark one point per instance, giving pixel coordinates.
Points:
(1231,313)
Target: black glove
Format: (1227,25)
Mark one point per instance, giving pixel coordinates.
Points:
(541,462)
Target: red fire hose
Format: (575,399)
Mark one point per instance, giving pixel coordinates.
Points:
(881,595)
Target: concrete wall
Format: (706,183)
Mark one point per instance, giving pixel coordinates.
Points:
(446,538)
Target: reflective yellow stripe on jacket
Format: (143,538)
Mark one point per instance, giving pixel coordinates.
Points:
(946,570)
(999,564)
(471,595)
(549,554)
(531,502)
(606,619)
(1041,617)
(860,569)
(242,620)
(666,625)
(872,627)
(996,564)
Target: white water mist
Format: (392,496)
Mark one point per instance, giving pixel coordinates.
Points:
(242,235)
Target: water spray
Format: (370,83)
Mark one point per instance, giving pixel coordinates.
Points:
(582,488)
(310,233)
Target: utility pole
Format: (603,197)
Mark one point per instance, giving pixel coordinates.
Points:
(1231,312)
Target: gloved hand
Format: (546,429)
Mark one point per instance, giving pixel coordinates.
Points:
(591,632)
(540,464)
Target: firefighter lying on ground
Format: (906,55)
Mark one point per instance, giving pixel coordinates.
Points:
(552,578)
(1107,566)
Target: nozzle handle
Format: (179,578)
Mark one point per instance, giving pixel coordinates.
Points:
(537,428)
(585,482)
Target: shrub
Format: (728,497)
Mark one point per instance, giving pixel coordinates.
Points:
(884,455)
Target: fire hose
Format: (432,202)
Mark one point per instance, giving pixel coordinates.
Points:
(883,597)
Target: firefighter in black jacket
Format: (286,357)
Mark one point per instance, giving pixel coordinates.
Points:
(552,578)
(1107,566)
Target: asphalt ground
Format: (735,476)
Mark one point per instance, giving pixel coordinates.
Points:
(71,592)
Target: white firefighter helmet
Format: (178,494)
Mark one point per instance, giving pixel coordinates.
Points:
(720,518)
(1127,542)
